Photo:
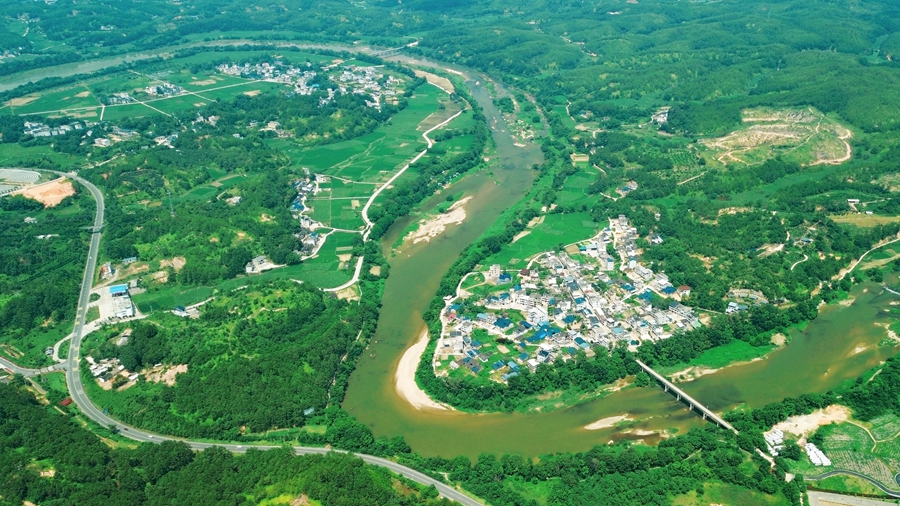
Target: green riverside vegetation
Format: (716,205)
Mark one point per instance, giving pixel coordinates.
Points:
(757,139)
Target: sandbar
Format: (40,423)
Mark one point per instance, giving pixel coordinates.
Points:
(405,377)
(606,423)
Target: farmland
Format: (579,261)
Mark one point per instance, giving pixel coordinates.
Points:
(869,448)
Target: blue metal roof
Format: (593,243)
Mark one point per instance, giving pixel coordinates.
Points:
(117,289)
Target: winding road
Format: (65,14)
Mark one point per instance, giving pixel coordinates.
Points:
(836,472)
(77,392)
(365,210)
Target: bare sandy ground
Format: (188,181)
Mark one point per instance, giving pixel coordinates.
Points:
(694,372)
(429,229)
(176,263)
(805,425)
(252,93)
(520,235)
(887,327)
(50,193)
(441,82)
(606,423)
(163,374)
(19,102)
(405,377)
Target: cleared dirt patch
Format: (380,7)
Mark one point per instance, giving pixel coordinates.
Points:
(83,94)
(805,136)
(436,118)
(176,263)
(375,270)
(164,374)
(520,235)
(206,82)
(19,102)
(252,93)
(805,425)
(51,193)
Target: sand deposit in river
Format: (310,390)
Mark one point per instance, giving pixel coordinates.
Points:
(435,226)
(405,377)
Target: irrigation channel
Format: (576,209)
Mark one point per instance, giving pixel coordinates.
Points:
(841,344)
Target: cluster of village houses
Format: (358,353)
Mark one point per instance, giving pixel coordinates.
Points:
(38,129)
(275,73)
(310,239)
(112,133)
(107,370)
(352,79)
(306,187)
(163,89)
(561,304)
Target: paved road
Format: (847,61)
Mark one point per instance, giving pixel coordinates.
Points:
(76,388)
(836,472)
(353,280)
(828,499)
(24,371)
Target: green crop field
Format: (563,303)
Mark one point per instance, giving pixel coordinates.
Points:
(373,157)
(885,427)
(723,493)
(555,230)
(68,99)
(167,298)
(574,189)
(850,447)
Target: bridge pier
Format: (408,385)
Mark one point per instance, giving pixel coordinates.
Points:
(693,405)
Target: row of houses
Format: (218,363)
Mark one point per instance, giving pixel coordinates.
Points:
(38,129)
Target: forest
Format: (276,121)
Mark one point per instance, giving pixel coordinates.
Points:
(49,458)
(281,341)
(35,256)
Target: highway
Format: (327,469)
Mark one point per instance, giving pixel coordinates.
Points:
(76,388)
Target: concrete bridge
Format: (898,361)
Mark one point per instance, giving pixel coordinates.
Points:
(690,401)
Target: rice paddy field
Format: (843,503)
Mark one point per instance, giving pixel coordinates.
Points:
(356,168)
(374,157)
(82,100)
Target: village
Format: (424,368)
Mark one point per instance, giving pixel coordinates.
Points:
(598,294)
(351,79)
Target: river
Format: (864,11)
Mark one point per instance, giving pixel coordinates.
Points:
(841,344)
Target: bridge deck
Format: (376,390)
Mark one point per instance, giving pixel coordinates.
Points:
(690,400)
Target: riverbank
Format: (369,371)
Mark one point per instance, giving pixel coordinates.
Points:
(405,378)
